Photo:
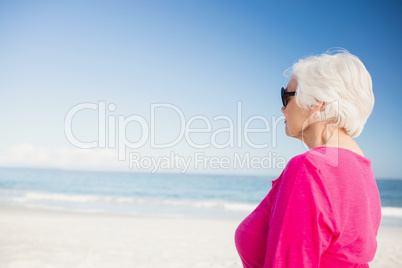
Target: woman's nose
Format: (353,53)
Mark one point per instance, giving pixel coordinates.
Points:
(283,109)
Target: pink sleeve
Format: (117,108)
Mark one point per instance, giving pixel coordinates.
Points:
(301,224)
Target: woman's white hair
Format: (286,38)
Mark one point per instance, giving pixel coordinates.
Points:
(342,82)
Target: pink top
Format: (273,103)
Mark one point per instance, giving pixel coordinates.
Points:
(323,211)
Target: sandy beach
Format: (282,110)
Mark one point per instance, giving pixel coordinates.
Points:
(41,238)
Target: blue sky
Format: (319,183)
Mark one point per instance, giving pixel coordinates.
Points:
(203,57)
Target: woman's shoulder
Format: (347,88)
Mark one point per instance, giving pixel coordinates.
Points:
(310,170)
(300,166)
(327,160)
(307,158)
(314,161)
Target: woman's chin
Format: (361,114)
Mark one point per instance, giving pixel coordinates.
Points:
(287,132)
(291,134)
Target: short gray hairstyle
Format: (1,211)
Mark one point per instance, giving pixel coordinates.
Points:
(342,82)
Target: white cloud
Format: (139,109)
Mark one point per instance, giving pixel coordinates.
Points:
(28,155)
(25,152)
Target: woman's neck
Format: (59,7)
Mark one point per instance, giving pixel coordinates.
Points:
(321,134)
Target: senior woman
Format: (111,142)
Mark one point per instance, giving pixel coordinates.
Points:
(324,209)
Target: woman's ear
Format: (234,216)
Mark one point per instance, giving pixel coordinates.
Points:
(316,111)
(322,105)
(321,111)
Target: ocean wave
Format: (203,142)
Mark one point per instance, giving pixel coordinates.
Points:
(395,212)
(22,197)
(30,197)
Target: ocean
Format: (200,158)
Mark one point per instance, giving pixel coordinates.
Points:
(171,195)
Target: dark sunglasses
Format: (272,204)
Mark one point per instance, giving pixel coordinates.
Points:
(285,96)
